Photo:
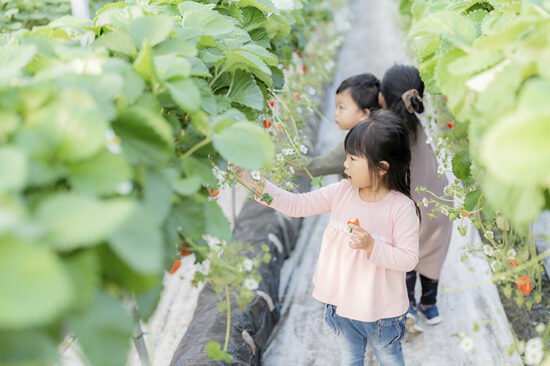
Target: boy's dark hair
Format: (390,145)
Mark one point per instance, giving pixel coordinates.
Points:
(383,137)
(364,90)
(397,81)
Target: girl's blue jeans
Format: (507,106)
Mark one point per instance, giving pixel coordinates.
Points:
(385,336)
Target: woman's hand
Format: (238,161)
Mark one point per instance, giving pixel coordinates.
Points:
(360,238)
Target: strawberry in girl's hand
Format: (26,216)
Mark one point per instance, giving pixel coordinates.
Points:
(354,222)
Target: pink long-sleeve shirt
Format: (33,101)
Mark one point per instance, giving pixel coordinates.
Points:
(363,287)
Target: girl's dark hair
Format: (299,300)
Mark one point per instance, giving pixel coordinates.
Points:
(383,137)
(396,81)
(364,90)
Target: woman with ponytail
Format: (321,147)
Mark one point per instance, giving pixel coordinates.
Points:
(401,91)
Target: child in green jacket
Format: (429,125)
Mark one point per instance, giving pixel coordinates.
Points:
(355,98)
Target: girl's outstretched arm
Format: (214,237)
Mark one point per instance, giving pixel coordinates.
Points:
(303,204)
(295,204)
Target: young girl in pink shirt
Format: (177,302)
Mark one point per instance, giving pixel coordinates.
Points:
(370,243)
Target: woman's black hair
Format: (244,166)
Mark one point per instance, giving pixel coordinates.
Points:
(364,90)
(383,137)
(396,81)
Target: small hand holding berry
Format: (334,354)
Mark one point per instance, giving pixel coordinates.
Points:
(246,178)
(254,184)
(360,238)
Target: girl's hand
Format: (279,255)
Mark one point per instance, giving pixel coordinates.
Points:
(360,239)
(246,178)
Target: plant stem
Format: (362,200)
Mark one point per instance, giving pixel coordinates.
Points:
(289,113)
(499,275)
(217,76)
(196,147)
(323,118)
(435,195)
(228,327)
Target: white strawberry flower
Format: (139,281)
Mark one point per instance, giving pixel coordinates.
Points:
(124,188)
(255,175)
(534,344)
(112,141)
(247,264)
(511,253)
(467,344)
(251,284)
(303,149)
(488,250)
(204,267)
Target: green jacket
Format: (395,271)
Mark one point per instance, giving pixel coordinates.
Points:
(330,163)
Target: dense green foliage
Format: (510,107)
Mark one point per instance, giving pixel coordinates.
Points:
(109,132)
(490,59)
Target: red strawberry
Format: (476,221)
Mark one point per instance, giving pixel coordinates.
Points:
(267,123)
(175,266)
(304,69)
(214,192)
(354,222)
(296,95)
(271,102)
(451,124)
(524,284)
(465,214)
(513,262)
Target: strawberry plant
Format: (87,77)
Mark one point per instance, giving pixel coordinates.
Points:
(111,130)
(484,64)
